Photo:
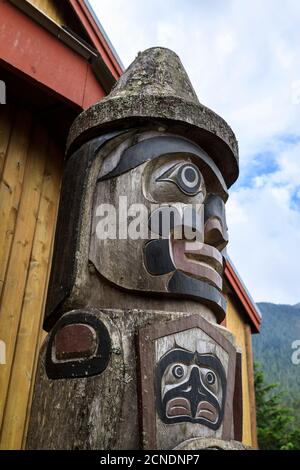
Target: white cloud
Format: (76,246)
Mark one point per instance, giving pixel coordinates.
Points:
(265,231)
(243,60)
(226,42)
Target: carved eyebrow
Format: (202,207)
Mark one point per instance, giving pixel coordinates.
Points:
(175,355)
(213,362)
(158,146)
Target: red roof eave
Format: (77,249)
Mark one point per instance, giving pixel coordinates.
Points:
(45,60)
(96,36)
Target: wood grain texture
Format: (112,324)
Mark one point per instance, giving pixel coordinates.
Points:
(85,413)
(136,178)
(53,177)
(147,357)
(72,268)
(29,195)
(6,118)
(235,323)
(11,184)
(6,121)
(193,340)
(98,412)
(22,374)
(17,271)
(238,400)
(68,223)
(250,371)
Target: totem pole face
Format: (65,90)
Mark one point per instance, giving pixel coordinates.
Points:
(159,213)
(187,367)
(190,387)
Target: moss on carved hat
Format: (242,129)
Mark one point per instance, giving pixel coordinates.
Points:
(156,87)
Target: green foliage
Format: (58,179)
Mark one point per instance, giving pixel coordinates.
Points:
(276,428)
(272,349)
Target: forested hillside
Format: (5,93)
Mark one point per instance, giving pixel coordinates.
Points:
(273,349)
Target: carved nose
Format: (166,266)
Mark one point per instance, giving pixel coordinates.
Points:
(214,234)
(196,390)
(195,381)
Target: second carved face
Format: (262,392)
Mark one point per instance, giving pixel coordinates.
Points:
(190,387)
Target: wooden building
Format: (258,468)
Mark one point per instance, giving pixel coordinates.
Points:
(243,319)
(56,60)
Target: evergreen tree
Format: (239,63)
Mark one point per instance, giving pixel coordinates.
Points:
(275,424)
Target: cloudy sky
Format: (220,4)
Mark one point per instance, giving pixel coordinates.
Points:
(243,58)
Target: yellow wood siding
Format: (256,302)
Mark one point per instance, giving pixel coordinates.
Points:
(29,195)
(236,324)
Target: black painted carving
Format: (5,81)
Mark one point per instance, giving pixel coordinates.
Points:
(188,286)
(166,145)
(190,387)
(214,208)
(81,367)
(68,225)
(186,176)
(157,257)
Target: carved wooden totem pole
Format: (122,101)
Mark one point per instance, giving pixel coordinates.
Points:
(135,356)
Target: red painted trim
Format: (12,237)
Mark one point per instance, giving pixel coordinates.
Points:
(234,282)
(93,90)
(44,59)
(96,37)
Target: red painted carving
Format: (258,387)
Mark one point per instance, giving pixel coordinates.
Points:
(75,341)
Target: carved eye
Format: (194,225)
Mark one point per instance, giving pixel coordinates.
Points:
(178,371)
(187,178)
(210,378)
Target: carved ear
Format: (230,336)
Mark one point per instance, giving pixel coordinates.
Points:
(79,346)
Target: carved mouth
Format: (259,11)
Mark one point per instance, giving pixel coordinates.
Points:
(178,407)
(181,407)
(202,261)
(207,411)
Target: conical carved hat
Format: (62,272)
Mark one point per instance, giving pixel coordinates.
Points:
(156,88)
